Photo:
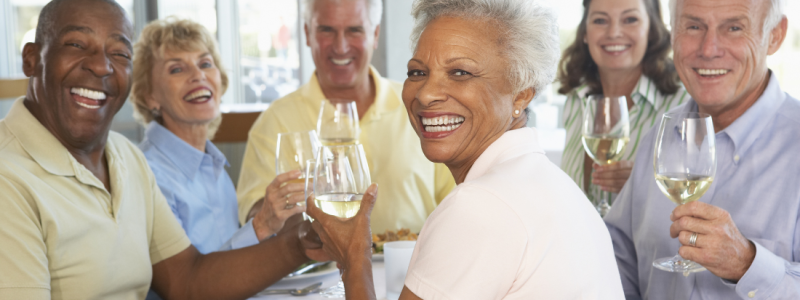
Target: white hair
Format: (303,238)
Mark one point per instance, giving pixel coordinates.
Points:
(774,16)
(529,33)
(374,8)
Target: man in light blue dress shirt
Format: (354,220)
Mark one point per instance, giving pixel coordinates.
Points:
(748,223)
(198,189)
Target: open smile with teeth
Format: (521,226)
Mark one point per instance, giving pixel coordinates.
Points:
(341,62)
(442,123)
(92,99)
(711,72)
(198,96)
(616,48)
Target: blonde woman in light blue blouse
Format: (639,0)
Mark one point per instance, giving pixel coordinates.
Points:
(621,49)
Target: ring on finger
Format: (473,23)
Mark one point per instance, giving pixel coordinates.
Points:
(693,239)
(288,205)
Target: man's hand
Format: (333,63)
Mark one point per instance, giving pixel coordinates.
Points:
(280,202)
(612,177)
(346,240)
(719,246)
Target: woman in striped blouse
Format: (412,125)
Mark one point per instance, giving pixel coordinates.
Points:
(621,48)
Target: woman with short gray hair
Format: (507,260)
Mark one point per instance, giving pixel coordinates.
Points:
(516,227)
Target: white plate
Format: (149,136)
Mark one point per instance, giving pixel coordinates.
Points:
(327,269)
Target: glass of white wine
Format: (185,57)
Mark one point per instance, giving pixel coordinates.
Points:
(292,152)
(309,187)
(341,177)
(338,123)
(606,132)
(684,163)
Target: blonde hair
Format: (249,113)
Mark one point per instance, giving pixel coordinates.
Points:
(157,38)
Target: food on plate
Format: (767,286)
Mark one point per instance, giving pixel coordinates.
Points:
(404,234)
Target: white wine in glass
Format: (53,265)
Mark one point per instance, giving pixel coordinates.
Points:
(606,132)
(341,177)
(338,123)
(684,163)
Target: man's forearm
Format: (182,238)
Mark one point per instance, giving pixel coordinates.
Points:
(358,280)
(235,274)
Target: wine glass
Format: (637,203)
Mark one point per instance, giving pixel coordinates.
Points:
(338,122)
(309,187)
(292,152)
(606,132)
(341,177)
(684,164)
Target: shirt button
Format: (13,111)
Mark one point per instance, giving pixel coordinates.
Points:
(736,158)
(751,294)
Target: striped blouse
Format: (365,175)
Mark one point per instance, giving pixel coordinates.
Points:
(649,105)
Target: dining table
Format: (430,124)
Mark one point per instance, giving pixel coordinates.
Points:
(329,280)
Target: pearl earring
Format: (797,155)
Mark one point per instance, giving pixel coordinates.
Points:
(516,111)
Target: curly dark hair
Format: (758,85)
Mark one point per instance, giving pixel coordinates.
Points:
(577,66)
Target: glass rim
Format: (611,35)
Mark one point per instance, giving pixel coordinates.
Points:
(686,115)
(296,132)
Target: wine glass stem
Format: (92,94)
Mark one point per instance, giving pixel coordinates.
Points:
(600,200)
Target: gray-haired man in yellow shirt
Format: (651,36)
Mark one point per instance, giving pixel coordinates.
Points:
(81,216)
(342,36)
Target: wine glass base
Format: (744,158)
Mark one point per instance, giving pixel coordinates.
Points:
(336,291)
(678,264)
(603,209)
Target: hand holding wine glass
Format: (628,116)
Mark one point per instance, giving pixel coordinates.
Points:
(684,163)
(606,132)
(341,177)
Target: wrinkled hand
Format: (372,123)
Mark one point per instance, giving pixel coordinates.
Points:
(612,177)
(719,247)
(271,214)
(311,243)
(346,240)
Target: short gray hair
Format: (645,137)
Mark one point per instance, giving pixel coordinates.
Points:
(529,29)
(374,8)
(774,16)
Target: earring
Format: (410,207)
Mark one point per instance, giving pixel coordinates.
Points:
(155,112)
(516,111)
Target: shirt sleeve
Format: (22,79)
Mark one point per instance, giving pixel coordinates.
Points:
(472,249)
(258,164)
(168,237)
(444,182)
(618,221)
(244,237)
(24,272)
(769,277)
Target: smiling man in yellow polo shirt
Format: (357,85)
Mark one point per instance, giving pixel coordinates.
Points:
(81,215)
(342,36)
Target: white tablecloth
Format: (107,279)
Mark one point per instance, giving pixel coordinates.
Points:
(378,278)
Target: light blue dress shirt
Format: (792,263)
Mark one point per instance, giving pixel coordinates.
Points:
(757,182)
(198,189)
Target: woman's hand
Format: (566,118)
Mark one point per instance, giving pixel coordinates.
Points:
(612,177)
(346,241)
(282,200)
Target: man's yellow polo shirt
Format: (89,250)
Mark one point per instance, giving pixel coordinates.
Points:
(410,186)
(62,234)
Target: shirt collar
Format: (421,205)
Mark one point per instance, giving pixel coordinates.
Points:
(186,158)
(40,144)
(510,145)
(646,89)
(748,127)
(386,99)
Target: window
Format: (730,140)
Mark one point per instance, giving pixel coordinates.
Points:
(270,58)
